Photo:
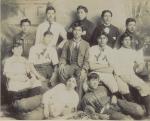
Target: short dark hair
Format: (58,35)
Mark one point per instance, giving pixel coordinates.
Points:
(128,20)
(124,36)
(78,24)
(47,32)
(50,8)
(82,7)
(92,76)
(102,33)
(106,11)
(25,20)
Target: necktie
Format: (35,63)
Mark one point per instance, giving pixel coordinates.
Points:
(49,28)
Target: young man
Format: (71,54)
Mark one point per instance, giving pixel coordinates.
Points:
(74,58)
(51,25)
(131,30)
(106,27)
(98,100)
(45,59)
(89,27)
(101,61)
(23,82)
(62,99)
(58,101)
(26,35)
(129,61)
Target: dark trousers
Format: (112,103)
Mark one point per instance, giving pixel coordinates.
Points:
(73,70)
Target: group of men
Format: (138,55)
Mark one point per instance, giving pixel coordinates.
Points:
(91,69)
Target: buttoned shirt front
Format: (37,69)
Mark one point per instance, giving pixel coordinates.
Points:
(56,28)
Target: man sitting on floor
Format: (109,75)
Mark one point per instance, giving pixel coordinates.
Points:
(24,83)
(98,100)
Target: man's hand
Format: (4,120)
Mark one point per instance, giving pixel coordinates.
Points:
(61,44)
(61,68)
(46,111)
(85,86)
(83,75)
(139,68)
(114,100)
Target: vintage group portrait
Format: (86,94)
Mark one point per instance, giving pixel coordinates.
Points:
(75,60)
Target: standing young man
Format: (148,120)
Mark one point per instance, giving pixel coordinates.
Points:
(136,43)
(50,25)
(89,27)
(106,27)
(74,58)
(26,35)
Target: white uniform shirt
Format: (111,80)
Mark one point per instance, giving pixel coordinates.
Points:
(125,60)
(59,97)
(16,70)
(98,56)
(39,54)
(56,28)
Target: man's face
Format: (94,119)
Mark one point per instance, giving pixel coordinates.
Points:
(71,83)
(51,15)
(102,40)
(93,83)
(47,39)
(25,27)
(131,26)
(17,51)
(107,18)
(126,42)
(77,32)
(81,14)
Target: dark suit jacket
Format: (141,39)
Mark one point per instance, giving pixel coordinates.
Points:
(112,36)
(83,54)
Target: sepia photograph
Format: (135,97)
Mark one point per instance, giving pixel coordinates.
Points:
(75,60)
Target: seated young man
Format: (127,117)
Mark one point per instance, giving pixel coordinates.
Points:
(74,58)
(58,101)
(45,59)
(101,61)
(24,83)
(98,100)
(129,61)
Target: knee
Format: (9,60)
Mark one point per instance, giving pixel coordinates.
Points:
(37,114)
(28,104)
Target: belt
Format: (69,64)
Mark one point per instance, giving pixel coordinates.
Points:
(43,64)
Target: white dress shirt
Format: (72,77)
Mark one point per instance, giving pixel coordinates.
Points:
(56,28)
